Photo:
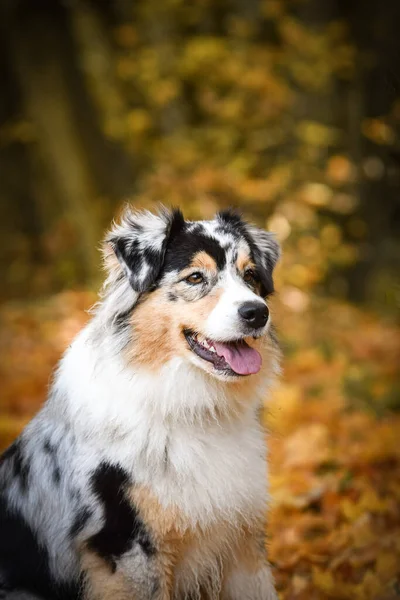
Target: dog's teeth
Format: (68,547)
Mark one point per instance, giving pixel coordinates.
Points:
(205,343)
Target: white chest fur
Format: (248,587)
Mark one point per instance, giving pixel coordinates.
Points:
(208,469)
(214,474)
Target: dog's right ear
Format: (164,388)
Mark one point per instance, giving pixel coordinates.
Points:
(266,251)
(139,242)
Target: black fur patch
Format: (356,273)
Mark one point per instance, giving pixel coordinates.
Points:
(122,525)
(232,222)
(51,450)
(19,462)
(57,475)
(24,564)
(80,521)
(121,321)
(10,452)
(177,223)
(136,256)
(21,468)
(264,274)
(182,248)
(196,228)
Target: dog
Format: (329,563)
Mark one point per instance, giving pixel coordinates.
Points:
(144,475)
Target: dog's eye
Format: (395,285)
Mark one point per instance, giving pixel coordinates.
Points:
(195,278)
(250,276)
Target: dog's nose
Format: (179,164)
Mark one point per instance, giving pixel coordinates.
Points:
(254,313)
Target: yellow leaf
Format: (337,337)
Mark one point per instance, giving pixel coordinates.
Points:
(316,134)
(323,580)
(316,194)
(371,586)
(283,406)
(387,565)
(339,169)
(378,131)
(299,583)
(331,236)
(309,445)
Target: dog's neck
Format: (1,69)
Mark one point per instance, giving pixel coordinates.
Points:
(172,431)
(103,395)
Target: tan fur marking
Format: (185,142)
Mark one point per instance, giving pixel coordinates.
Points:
(251,551)
(101,583)
(244,261)
(223,544)
(250,554)
(162,520)
(196,313)
(157,327)
(154,338)
(202,260)
(167,530)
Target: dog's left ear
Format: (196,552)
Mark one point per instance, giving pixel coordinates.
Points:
(266,251)
(139,242)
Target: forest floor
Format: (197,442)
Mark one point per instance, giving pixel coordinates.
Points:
(334,437)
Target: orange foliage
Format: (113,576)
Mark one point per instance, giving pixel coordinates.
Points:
(334,527)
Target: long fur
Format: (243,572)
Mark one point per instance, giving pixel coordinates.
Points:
(146,478)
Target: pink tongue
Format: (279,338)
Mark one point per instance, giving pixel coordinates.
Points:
(240,357)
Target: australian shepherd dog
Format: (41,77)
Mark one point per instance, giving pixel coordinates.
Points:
(144,475)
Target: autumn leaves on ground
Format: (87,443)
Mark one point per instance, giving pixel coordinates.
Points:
(334,437)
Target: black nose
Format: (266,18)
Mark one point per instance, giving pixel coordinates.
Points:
(254,313)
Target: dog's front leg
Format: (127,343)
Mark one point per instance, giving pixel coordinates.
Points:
(133,576)
(248,576)
(242,584)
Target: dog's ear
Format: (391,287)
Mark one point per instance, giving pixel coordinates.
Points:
(139,242)
(266,251)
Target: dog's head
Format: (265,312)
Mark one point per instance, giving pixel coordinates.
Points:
(200,290)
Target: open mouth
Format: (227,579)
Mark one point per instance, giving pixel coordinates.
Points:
(233,358)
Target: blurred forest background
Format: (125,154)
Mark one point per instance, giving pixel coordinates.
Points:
(287,109)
